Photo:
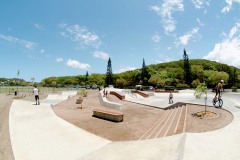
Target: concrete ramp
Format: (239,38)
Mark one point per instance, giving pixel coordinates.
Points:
(38,134)
(69,93)
(155,149)
(54,99)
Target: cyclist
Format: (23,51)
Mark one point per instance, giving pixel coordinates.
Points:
(219,89)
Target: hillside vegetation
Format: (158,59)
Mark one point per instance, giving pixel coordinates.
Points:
(162,75)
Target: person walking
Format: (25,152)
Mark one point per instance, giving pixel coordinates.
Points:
(170,98)
(35,92)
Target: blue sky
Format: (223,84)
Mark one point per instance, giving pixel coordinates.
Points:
(64,38)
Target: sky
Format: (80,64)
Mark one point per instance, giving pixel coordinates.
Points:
(49,38)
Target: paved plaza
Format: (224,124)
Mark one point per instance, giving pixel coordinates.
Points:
(37,133)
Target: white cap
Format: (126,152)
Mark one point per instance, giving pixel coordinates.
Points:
(222,81)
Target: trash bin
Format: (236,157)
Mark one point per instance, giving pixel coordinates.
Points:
(15,93)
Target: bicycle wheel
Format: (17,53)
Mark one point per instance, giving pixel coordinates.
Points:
(214,101)
(220,101)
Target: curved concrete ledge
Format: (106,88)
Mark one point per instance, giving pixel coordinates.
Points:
(104,101)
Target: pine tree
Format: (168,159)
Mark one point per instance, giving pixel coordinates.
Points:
(186,68)
(109,80)
(86,77)
(144,74)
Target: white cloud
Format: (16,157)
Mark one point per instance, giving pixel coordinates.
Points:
(166,10)
(124,69)
(42,51)
(234,30)
(200,23)
(23,43)
(156,38)
(100,54)
(228,50)
(80,35)
(199,4)
(228,7)
(39,26)
(77,65)
(184,39)
(60,59)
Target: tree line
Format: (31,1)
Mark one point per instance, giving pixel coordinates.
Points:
(184,73)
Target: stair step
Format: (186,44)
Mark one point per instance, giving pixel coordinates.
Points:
(154,131)
(149,132)
(160,132)
(174,122)
(178,121)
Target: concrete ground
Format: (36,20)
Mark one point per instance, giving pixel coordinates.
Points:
(37,133)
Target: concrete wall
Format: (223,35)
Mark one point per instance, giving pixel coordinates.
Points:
(104,101)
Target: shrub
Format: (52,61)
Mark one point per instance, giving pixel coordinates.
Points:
(234,89)
(195,83)
(167,88)
(130,87)
(182,86)
(82,93)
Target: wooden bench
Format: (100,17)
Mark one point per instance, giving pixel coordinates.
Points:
(120,96)
(108,115)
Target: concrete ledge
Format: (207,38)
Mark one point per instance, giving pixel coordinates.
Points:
(104,101)
(140,93)
(119,95)
(108,115)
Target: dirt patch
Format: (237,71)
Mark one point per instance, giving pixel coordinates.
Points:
(137,118)
(205,115)
(195,124)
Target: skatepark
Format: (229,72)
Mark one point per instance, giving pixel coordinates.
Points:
(38,132)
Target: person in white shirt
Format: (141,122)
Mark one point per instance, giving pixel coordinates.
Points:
(170,98)
(35,92)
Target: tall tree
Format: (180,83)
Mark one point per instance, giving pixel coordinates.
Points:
(186,67)
(144,74)
(86,77)
(109,78)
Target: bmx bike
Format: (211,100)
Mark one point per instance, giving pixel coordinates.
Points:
(218,102)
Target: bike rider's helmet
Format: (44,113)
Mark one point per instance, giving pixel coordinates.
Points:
(222,81)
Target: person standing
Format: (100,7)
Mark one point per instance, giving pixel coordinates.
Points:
(106,93)
(35,92)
